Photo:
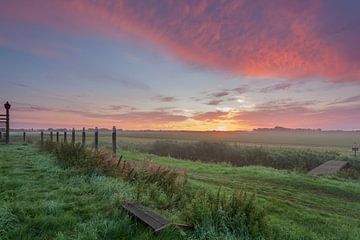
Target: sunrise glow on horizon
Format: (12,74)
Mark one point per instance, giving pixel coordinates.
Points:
(181,65)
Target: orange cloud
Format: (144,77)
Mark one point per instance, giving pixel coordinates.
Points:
(286,39)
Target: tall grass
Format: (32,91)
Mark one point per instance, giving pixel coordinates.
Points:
(163,188)
(280,158)
(228,215)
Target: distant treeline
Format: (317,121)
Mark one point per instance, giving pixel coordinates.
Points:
(277,128)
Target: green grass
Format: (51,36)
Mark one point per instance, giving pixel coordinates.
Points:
(40,200)
(339,141)
(300,207)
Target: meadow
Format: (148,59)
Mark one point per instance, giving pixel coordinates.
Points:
(292,204)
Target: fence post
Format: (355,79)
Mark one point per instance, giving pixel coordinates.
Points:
(0,135)
(24,136)
(73,136)
(51,136)
(7,107)
(65,136)
(57,137)
(83,137)
(42,137)
(114,140)
(96,138)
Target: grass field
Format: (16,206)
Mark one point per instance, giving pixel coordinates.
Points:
(300,207)
(328,140)
(41,200)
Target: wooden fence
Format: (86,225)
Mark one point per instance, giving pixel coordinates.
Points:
(73,137)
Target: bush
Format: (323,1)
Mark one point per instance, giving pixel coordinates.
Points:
(77,155)
(164,188)
(47,146)
(235,214)
(279,158)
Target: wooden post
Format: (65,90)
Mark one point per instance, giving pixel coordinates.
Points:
(96,138)
(0,135)
(73,136)
(51,136)
(57,137)
(42,137)
(355,148)
(65,137)
(114,140)
(7,107)
(24,136)
(83,137)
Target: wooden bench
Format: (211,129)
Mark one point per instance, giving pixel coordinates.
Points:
(154,220)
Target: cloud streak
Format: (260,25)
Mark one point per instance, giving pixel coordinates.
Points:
(286,39)
(165,99)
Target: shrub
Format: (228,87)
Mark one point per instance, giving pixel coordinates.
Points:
(235,214)
(166,188)
(47,146)
(279,158)
(74,155)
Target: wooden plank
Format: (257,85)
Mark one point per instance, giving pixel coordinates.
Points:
(328,167)
(152,219)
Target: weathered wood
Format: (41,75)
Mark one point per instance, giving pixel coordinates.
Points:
(152,219)
(83,137)
(355,149)
(0,135)
(51,136)
(96,138)
(65,137)
(73,136)
(24,136)
(7,130)
(114,140)
(57,137)
(42,137)
(328,168)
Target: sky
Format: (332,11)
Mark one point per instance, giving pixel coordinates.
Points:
(181,65)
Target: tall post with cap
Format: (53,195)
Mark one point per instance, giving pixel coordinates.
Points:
(7,130)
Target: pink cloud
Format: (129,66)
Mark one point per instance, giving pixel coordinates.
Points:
(165,99)
(287,39)
(210,116)
(303,117)
(34,115)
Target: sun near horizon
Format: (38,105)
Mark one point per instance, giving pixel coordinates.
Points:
(183,65)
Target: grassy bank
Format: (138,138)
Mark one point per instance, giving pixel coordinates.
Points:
(40,200)
(299,206)
(214,216)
